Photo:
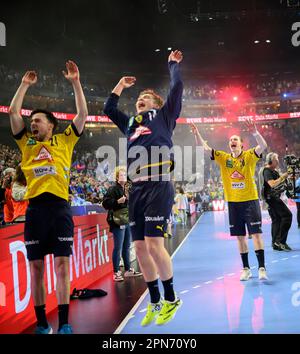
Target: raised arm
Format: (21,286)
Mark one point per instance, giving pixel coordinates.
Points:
(199,139)
(125,82)
(174,99)
(16,120)
(72,75)
(111,105)
(261,143)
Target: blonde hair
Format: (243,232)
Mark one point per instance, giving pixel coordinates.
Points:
(117,171)
(157,99)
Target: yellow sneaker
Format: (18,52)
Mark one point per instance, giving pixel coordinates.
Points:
(152,311)
(168,311)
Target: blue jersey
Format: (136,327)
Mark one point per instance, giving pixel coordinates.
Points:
(149,131)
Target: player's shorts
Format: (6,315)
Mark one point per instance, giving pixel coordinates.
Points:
(49,229)
(150,205)
(242,214)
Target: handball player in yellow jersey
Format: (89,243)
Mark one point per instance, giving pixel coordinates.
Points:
(237,173)
(46,162)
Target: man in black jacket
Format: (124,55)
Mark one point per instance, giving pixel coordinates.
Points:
(280,214)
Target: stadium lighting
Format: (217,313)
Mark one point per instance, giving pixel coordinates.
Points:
(235,98)
(256,41)
(157,50)
(268,41)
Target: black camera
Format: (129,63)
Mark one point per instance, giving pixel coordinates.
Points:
(292,161)
(293,166)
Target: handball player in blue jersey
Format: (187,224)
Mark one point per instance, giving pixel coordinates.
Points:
(151,195)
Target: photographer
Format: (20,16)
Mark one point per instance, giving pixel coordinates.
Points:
(274,185)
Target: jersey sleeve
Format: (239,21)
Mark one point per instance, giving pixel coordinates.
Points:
(218,156)
(70,136)
(172,107)
(21,138)
(252,156)
(111,110)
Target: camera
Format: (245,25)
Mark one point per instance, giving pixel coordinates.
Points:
(292,161)
(293,166)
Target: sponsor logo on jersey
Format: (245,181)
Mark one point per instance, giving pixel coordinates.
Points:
(229,163)
(237,175)
(238,185)
(131,120)
(43,154)
(139,118)
(44,170)
(31,141)
(141,130)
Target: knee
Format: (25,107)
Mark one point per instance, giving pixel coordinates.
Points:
(62,269)
(37,270)
(140,249)
(154,250)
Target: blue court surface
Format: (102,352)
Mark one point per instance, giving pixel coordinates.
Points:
(207,268)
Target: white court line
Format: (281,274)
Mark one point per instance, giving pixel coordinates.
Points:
(275,261)
(253,267)
(143,310)
(219,278)
(295,255)
(284,259)
(231,274)
(129,315)
(196,287)
(208,282)
(184,291)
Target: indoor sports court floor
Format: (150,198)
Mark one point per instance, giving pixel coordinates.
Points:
(207,269)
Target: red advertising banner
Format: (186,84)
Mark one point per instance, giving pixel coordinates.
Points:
(91,260)
(199,120)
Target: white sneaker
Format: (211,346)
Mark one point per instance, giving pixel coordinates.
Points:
(246,274)
(262,274)
(132,273)
(118,276)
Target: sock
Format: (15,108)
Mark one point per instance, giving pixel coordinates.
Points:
(63,314)
(260,254)
(154,291)
(40,313)
(169,291)
(245,260)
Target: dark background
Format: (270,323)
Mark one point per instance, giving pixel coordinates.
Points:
(120,36)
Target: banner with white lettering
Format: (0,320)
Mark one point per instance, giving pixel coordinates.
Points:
(91,260)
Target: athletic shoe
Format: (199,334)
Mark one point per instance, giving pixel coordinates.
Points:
(132,273)
(118,276)
(152,312)
(287,247)
(276,247)
(280,247)
(43,330)
(65,329)
(246,274)
(262,274)
(168,311)
(249,237)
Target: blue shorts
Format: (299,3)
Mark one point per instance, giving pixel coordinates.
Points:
(49,229)
(242,214)
(150,205)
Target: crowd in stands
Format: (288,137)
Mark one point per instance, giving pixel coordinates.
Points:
(205,98)
(91,177)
